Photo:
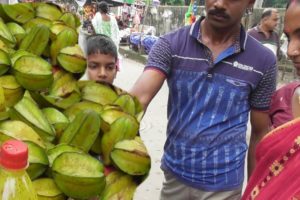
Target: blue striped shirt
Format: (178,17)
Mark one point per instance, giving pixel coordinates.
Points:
(208,104)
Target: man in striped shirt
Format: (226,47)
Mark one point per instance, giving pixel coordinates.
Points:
(265,31)
(216,76)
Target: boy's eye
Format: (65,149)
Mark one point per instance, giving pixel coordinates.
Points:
(92,66)
(110,67)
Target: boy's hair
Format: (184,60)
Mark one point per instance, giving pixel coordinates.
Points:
(103,7)
(102,44)
(292,1)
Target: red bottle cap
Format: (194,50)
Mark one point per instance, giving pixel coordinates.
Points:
(14,155)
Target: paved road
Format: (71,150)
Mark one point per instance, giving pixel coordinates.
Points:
(152,130)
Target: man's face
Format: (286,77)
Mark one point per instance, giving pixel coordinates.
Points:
(226,13)
(272,21)
(102,68)
(292,31)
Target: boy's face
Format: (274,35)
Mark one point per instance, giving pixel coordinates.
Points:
(102,68)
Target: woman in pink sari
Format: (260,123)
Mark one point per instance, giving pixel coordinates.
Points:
(277,172)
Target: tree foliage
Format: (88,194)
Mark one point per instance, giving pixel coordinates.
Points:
(266,3)
(275,3)
(172,2)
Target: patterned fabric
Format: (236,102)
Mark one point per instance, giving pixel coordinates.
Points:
(109,28)
(281,109)
(208,105)
(106,28)
(277,175)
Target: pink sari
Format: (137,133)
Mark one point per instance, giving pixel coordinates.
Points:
(277,171)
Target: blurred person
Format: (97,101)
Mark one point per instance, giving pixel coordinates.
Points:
(105,23)
(216,76)
(277,174)
(265,31)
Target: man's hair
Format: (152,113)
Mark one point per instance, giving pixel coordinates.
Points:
(267,12)
(290,2)
(103,7)
(101,44)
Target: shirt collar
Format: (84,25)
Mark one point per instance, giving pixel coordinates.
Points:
(259,29)
(195,32)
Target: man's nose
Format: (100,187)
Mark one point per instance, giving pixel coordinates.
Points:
(219,3)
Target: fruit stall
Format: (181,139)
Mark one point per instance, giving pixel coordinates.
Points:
(82,136)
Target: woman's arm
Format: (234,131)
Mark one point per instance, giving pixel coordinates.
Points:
(259,128)
(296,103)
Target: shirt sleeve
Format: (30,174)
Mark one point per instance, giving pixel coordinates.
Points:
(160,56)
(260,98)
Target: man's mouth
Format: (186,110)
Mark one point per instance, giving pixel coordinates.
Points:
(219,16)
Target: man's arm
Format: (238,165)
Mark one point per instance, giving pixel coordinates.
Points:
(260,100)
(147,86)
(260,123)
(157,69)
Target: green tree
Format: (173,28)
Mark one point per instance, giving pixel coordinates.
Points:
(275,3)
(172,2)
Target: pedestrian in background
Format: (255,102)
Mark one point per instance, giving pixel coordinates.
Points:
(105,23)
(265,31)
(216,75)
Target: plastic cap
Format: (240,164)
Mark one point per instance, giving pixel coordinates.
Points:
(14,154)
